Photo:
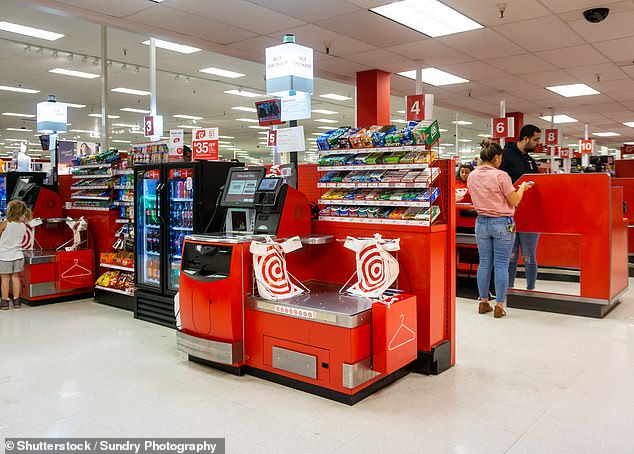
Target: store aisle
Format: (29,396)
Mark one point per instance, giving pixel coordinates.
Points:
(531,382)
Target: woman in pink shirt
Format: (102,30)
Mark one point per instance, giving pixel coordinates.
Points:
(494,198)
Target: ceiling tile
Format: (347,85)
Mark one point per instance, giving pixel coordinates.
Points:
(481,44)
(310,11)
(371,28)
(539,34)
(594,75)
(486,12)
(520,64)
(432,52)
(382,59)
(474,70)
(560,6)
(550,78)
(573,56)
(340,45)
(617,49)
(116,8)
(617,25)
(508,84)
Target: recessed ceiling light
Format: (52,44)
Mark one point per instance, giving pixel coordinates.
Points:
(187,117)
(327,128)
(14,114)
(262,132)
(559,119)
(572,90)
(188,127)
(29,31)
(324,111)
(19,130)
(248,120)
(335,96)
(628,143)
(629,124)
(76,106)
(486,136)
(317,134)
(130,91)
(429,17)
(259,127)
(326,120)
(226,137)
(70,72)
(130,109)
(86,131)
(172,46)
(245,109)
(121,141)
(125,125)
(246,94)
(221,72)
(435,77)
(157,1)
(442,130)
(462,122)
(19,89)
(400,111)
(606,134)
(114,117)
(465,140)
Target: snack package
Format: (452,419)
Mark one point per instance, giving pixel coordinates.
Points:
(410,157)
(411,213)
(322,141)
(397,213)
(363,212)
(355,138)
(333,139)
(395,157)
(344,140)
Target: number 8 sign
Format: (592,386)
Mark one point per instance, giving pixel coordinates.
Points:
(552,137)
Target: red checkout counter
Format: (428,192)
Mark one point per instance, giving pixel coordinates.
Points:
(51,276)
(331,344)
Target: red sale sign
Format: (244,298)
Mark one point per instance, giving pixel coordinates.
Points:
(586,146)
(419,107)
(551,137)
(205,144)
(502,127)
(148,126)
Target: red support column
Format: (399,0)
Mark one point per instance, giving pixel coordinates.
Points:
(373,98)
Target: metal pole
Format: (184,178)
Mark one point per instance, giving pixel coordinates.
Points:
(104,88)
(553,162)
(457,151)
(503,115)
(419,77)
(585,158)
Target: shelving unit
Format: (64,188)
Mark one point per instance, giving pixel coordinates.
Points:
(93,189)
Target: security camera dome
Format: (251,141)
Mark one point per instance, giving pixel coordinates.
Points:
(596,15)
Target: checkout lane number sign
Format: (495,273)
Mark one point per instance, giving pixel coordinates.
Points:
(205,144)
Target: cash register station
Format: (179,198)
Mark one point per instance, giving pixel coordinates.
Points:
(343,347)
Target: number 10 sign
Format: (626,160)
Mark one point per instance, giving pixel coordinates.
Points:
(205,144)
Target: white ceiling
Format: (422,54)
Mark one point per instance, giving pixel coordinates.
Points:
(537,43)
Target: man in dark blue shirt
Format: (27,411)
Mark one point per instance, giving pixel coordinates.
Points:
(516,161)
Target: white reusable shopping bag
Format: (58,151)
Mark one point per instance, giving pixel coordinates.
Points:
(29,236)
(269,262)
(377,269)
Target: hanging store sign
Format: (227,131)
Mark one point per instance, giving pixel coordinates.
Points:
(296,107)
(586,146)
(551,137)
(51,117)
(287,139)
(565,152)
(289,67)
(205,144)
(502,127)
(153,126)
(627,149)
(177,137)
(419,107)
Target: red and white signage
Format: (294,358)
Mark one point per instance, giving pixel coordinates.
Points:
(502,127)
(551,137)
(627,149)
(287,139)
(564,152)
(176,143)
(148,126)
(420,107)
(205,144)
(271,138)
(586,146)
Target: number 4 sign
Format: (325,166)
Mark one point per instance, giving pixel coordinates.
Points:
(502,127)
(420,107)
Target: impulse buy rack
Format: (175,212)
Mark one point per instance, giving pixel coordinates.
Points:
(340,346)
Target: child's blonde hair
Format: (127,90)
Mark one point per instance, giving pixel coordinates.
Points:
(28,215)
(15,210)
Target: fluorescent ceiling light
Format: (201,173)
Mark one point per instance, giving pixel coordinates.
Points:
(628,143)
(121,141)
(188,127)
(248,120)
(629,124)
(245,109)
(327,128)
(442,130)
(172,46)
(130,109)
(246,94)
(335,96)
(19,129)
(462,122)
(317,134)
(465,140)
(86,131)
(221,72)
(324,111)
(326,120)
(18,89)
(76,106)
(606,134)
(400,111)
(187,117)
(125,125)
(29,31)
(224,142)
(435,77)
(486,136)
(259,127)
(559,119)
(226,137)
(70,72)
(14,114)
(130,91)
(573,90)
(429,17)
(398,120)
(99,116)
(262,132)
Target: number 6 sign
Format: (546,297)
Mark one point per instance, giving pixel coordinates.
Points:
(502,127)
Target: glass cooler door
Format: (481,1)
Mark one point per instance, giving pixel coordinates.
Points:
(180,193)
(148,225)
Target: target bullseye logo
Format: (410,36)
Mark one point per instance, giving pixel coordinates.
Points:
(274,272)
(27,243)
(372,269)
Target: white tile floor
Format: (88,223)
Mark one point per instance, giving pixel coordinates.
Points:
(532,382)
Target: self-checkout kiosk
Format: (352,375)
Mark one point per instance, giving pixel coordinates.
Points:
(43,202)
(323,341)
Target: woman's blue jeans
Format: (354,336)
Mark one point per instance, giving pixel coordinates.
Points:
(527,242)
(495,243)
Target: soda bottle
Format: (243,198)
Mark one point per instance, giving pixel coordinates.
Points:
(190,218)
(148,215)
(181,189)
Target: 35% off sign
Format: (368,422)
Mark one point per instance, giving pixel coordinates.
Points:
(205,144)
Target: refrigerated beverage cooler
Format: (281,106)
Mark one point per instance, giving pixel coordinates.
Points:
(173,200)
